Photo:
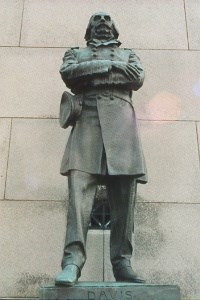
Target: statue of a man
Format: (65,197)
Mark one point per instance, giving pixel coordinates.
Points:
(104,146)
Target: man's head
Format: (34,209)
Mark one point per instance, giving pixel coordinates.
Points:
(101,27)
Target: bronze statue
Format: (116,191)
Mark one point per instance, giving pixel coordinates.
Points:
(104,146)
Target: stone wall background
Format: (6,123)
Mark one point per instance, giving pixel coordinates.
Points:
(34,35)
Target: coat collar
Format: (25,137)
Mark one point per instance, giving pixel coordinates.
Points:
(98,43)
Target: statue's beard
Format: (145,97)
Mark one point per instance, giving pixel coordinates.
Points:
(103,31)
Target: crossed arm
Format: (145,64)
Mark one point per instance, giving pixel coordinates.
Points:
(129,73)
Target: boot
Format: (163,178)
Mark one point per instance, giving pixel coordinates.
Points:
(126,274)
(69,276)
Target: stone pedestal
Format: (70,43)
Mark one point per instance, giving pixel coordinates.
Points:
(111,291)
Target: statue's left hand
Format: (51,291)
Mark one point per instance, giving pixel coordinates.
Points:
(124,68)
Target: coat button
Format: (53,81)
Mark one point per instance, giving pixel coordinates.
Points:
(112,98)
(112,50)
(112,54)
(94,55)
(98,97)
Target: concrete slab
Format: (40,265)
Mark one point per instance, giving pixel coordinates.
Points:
(36,150)
(32,238)
(52,24)
(31,85)
(193,20)
(10,22)
(4,148)
(171,153)
(166,246)
(171,90)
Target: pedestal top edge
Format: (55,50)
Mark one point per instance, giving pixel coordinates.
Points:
(109,284)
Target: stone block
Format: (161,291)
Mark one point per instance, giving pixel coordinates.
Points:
(110,291)
(93,268)
(31,85)
(32,238)
(19,298)
(108,273)
(166,246)
(171,88)
(193,20)
(27,91)
(198,132)
(143,25)
(36,150)
(10,22)
(171,153)
(4,148)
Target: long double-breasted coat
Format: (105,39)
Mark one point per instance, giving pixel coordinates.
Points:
(105,138)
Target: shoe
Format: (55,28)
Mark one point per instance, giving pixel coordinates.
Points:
(69,276)
(126,274)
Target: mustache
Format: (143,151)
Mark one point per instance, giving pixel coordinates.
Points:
(103,25)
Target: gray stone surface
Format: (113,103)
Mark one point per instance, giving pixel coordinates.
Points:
(34,163)
(4,147)
(167,238)
(93,268)
(193,20)
(30,82)
(198,132)
(166,247)
(10,22)
(109,291)
(19,298)
(171,152)
(171,89)
(40,156)
(147,21)
(31,239)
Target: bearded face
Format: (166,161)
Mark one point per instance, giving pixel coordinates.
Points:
(101,27)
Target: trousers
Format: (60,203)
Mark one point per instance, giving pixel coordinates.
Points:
(121,195)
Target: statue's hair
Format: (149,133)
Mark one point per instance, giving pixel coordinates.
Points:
(88,30)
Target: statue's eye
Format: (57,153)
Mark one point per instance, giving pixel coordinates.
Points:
(97,18)
(107,18)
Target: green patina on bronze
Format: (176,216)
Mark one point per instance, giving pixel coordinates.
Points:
(104,146)
(111,291)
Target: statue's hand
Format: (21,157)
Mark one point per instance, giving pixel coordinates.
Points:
(116,65)
(124,68)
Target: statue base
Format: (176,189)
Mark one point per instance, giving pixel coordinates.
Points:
(111,291)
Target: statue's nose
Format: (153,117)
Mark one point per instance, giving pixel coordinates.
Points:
(102,19)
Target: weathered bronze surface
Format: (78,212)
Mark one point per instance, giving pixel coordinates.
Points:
(104,146)
(111,291)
